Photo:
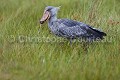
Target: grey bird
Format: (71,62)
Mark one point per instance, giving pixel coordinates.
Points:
(69,29)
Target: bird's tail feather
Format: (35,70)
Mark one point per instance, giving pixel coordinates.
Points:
(97,35)
(100,32)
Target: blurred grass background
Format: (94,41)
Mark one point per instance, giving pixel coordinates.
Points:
(56,61)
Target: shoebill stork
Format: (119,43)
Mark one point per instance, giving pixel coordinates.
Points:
(69,29)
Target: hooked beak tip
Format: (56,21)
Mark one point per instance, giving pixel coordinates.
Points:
(41,22)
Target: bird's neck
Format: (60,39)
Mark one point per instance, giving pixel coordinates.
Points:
(53,18)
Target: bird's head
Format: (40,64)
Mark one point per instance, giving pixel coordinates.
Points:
(49,12)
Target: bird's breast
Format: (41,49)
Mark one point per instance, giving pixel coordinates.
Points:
(54,26)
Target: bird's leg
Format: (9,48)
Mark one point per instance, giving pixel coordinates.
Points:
(85,46)
(71,41)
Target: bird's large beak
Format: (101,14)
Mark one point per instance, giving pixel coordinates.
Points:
(45,17)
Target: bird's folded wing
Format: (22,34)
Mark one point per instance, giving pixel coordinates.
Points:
(73,29)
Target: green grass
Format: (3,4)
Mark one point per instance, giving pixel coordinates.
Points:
(31,60)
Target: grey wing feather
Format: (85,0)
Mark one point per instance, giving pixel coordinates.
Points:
(71,32)
(74,29)
(69,23)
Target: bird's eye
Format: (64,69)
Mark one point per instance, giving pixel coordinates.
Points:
(48,9)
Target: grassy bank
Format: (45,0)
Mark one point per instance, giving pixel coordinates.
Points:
(23,57)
